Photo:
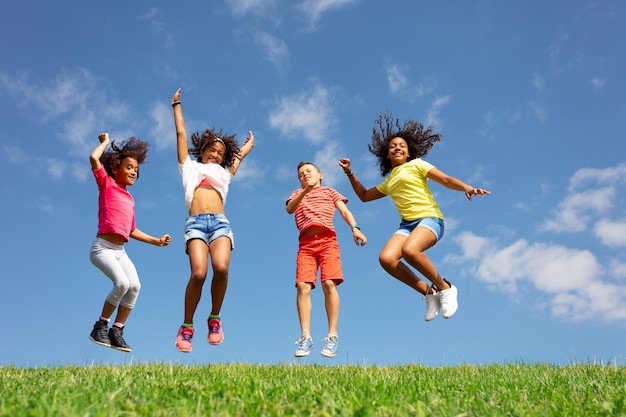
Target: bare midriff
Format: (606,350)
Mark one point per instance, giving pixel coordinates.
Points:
(114,238)
(206,200)
(314,230)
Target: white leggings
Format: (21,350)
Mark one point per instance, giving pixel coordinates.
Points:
(113,261)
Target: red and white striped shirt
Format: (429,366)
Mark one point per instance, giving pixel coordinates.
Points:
(317,208)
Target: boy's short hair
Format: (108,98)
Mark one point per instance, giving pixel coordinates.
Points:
(302,163)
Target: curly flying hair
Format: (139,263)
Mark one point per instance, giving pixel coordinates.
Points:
(131,148)
(418,139)
(201,141)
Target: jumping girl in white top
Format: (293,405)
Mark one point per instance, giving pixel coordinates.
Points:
(207,230)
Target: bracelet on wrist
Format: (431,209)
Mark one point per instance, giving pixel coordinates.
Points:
(355,226)
(174,104)
(349,173)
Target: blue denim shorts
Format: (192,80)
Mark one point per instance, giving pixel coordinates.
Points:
(434,224)
(208,227)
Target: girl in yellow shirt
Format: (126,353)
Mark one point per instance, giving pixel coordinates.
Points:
(399,149)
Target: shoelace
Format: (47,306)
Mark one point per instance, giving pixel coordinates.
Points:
(331,342)
(102,331)
(186,335)
(302,343)
(215,328)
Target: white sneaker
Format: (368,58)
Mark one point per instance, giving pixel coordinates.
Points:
(448,300)
(433,305)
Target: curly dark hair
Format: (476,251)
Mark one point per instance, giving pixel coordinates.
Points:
(200,142)
(386,127)
(132,148)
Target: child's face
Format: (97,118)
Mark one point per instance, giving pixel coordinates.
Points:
(127,172)
(213,153)
(309,175)
(398,152)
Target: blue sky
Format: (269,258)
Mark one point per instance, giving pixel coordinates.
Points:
(528,97)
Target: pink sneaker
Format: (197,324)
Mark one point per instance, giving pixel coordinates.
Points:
(183,341)
(216,336)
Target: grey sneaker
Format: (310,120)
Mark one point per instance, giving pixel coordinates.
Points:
(100,334)
(305,344)
(448,300)
(433,304)
(117,341)
(332,344)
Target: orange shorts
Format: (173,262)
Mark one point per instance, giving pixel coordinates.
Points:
(318,251)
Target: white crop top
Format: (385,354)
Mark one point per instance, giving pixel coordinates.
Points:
(193,172)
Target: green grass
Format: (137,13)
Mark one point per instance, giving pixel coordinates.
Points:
(314,390)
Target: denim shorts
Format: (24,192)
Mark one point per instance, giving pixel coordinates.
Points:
(434,224)
(208,227)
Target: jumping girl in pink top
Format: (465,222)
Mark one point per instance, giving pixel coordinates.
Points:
(114,170)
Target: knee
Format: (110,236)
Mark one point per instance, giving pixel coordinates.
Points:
(197,277)
(386,261)
(411,252)
(329,286)
(303,288)
(220,270)
(121,287)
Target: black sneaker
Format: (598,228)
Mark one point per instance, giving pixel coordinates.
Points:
(117,341)
(100,334)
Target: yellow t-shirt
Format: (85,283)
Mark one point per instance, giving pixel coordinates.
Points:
(407,185)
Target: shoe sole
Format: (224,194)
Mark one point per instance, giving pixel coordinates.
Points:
(99,343)
(181,350)
(302,354)
(447,317)
(218,343)
(432,318)
(121,349)
(328,354)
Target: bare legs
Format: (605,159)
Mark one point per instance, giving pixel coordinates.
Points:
(331,302)
(122,312)
(412,249)
(219,249)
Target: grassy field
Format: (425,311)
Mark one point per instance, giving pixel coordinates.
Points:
(314,390)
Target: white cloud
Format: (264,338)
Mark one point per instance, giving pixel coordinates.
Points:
(493,120)
(14,154)
(314,9)
(73,98)
(308,115)
(575,212)
(55,167)
(158,25)
(572,279)
(81,172)
(578,283)
(593,176)
(432,118)
(597,83)
(400,85)
(163,132)
(592,193)
(241,7)
(611,233)
(327,161)
(276,49)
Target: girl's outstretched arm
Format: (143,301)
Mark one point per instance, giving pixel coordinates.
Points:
(146,238)
(363,193)
(245,150)
(455,183)
(181,132)
(94,158)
